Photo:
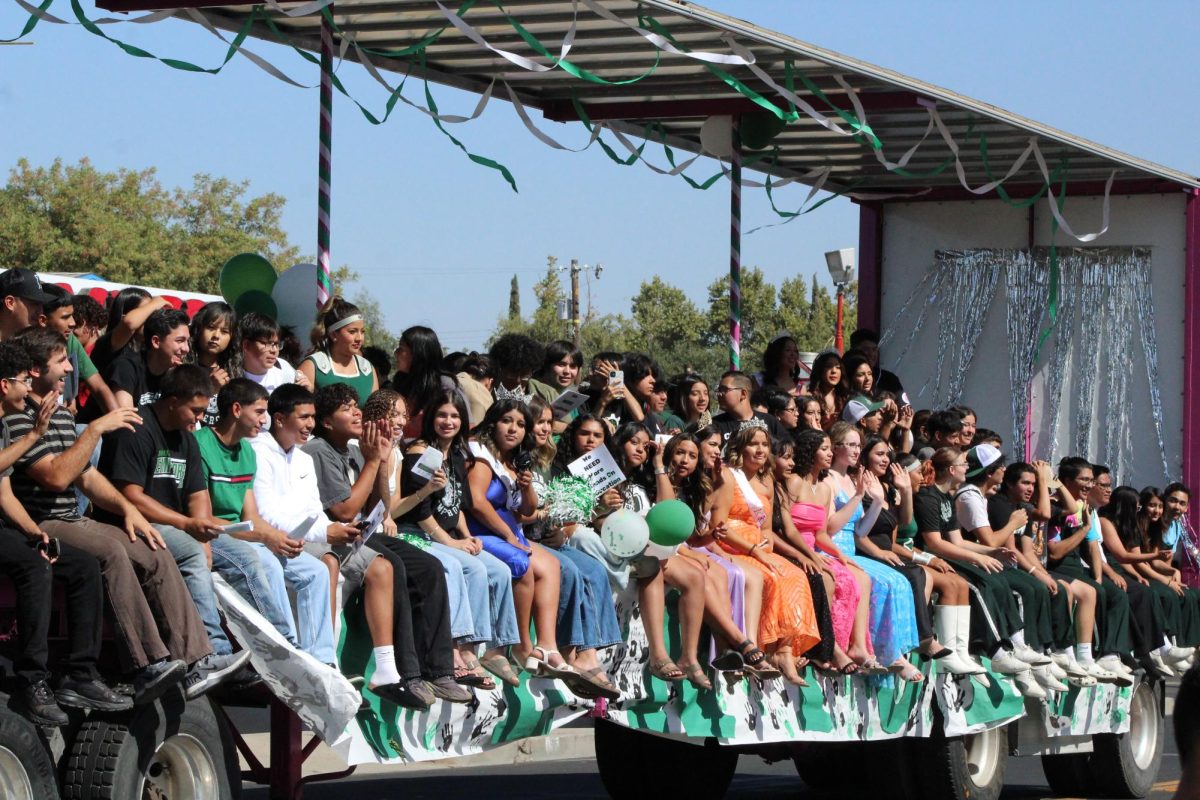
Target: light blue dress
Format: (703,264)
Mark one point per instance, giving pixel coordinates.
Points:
(893,622)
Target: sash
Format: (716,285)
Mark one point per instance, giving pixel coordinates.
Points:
(510,487)
(753,501)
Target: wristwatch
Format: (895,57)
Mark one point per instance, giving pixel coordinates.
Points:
(660,470)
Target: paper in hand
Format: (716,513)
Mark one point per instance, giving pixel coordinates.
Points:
(429,463)
(373,522)
(598,468)
(301,530)
(567,402)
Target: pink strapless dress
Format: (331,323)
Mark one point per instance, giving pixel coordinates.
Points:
(809,518)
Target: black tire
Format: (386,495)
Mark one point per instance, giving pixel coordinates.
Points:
(26,771)
(960,767)
(638,765)
(182,747)
(1069,775)
(1126,764)
(834,767)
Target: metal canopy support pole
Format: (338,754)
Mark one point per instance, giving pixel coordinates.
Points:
(735,249)
(324,163)
(1191,354)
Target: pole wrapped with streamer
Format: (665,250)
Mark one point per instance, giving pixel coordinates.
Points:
(735,250)
(325,164)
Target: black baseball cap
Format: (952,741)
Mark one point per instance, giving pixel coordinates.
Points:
(24,284)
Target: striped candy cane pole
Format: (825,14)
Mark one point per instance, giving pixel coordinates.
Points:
(324,171)
(735,250)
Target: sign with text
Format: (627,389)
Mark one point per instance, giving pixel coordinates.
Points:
(597,468)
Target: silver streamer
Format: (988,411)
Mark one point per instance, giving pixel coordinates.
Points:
(1026,296)
(1101,293)
(1144,298)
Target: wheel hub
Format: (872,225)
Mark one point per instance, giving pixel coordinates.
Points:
(983,755)
(182,769)
(14,780)
(1143,727)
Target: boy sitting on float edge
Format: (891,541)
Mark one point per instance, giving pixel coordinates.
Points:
(263,563)
(157,467)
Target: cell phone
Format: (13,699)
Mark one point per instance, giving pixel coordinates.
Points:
(523,461)
(362,524)
(53,548)
(616,377)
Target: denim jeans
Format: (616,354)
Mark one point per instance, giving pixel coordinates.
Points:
(193,566)
(238,563)
(601,628)
(309,579)
(80,498)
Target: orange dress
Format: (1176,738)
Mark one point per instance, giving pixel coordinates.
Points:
(787,617)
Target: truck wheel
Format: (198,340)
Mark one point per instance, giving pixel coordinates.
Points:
(637,765)
(960,767)
(171,748)
(26,772)
(837,767)
(1126,764)
(1069,775)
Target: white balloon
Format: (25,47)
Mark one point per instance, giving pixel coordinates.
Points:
(661,552)
(295,296)
(625,533)
(716,136)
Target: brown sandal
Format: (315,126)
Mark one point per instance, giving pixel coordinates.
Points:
(501,667)
(696,677)
(667,670)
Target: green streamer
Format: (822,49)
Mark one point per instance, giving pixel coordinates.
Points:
(1052,309)
(30,23)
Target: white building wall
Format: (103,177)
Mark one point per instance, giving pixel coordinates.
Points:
(912,232)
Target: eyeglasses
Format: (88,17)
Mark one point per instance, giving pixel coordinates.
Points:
(959,464)
(27,380)
(727,389)
(1107,486)
(268,345)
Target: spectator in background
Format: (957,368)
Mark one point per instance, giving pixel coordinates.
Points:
(291,349)
(475,380)
(261,340)
(21,299)
(58,314)
(733,396)
(135,376)
(337,350)
(128,311)
(866,341)
(214,347)
(380,361)
(561,366)
(419,376)
(91,319)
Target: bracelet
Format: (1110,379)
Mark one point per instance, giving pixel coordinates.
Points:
(660,470)
(1032,569)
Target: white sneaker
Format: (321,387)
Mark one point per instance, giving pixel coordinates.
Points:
(1160,666)
(1059,673)
(1108,676)
(1061,660)
(1029,687)
(1082,681)
(1006,663)
(1178,654)
(1031,656)
(1113,663)
(1047,681)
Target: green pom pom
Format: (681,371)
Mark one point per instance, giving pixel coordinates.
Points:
(568,499)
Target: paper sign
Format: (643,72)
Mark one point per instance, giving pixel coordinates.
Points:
(597,468)
(661,439)
(301,530)
(429,463)
(567,402)
(238,527)
(373,522)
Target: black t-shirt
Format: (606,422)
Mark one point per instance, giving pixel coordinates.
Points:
(881,532)
(443,505)
(1000,508)
(130,372)
(886,381)
(728,425)
(166,463)
(933,511)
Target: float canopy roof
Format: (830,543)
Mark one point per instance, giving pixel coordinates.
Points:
(681,92)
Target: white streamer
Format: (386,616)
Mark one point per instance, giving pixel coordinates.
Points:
(521,61)
(255,59)
(662,43)
(544,137)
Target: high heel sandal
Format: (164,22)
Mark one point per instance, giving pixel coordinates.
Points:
(756,661)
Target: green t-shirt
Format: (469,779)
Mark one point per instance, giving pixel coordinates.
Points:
(229,473)
(86,368)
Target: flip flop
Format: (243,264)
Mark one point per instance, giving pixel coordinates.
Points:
(872,667)
(501,667)
(472,676)
(600,687)
(696,677)
(663,668)
(729,661)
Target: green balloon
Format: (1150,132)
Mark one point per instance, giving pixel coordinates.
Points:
(757,130)
(255,300)
(246,272)
(671,522)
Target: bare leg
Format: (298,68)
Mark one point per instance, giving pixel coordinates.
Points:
(377,601)
(1085,611)
(523,603)
(752,602)
(335,572)
(653,608)
(688,577)
(547,577)
(859,651)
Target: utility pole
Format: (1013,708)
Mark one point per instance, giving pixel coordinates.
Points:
(576,321)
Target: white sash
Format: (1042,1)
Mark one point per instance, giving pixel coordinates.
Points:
(483,454)
(753,501)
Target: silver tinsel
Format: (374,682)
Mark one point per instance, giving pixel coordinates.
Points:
(1026,296)
(1091,298)
(1144,298)
(1060,361)
(967,281)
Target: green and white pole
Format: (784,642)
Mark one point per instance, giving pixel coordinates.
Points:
(324,164)
(735,249)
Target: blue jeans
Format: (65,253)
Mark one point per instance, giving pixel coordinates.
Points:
(309,579)
(238,563)
(193,566)
(601,628)
(486,596)
(81,500)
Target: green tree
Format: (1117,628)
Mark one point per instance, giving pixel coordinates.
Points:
(760,316)
(126,227)
(514,299)
(545,325)
(670,327)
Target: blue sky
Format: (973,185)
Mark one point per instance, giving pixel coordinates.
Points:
(437,238)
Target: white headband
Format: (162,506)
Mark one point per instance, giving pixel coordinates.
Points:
(341,323)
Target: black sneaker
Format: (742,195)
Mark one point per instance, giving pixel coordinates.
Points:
(446,688)
(41,707)
(153,680)
(407,693)
(212,670)
(90,694)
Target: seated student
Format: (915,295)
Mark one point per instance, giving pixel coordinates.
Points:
(347,490)
(26,560)
(1174,612)
(733,396)
(995,615)
(156,621)
(135,377)
(1150,527)
(259,335)
(263,563)
(286,493)
(59,315)
(1176,498)
(1068,533)
(91,319)
(337,356)
(1027,486)
(985,472)
(1187,735)
(156,465)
